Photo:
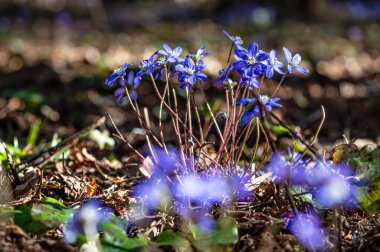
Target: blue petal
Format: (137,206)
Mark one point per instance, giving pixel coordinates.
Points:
(192,80)
(246,117)
(269,72)
(288,55)
(189,62)
(302,70)
(162,52)
(177,51)
(201,76)
(253,48)
(238,65)
(134,95)
(131,77)
(111,79)
(296,59)
(242,54)
(179,68)
(167,48)
(262,57)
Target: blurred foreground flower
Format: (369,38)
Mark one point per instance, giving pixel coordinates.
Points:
(308,231)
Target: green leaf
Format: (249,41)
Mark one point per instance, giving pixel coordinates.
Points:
(50,212)
(226,232)
(22,218)
(223,237)
(278,129)
(369,196)
(170,238)
(115,238)
(39,217)
(34,132)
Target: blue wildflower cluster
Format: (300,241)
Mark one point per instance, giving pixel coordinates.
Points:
(252,64)
(188,69)
(188,181)
(330,185)
(173,186)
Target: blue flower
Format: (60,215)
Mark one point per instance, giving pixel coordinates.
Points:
(279,168)
(273,65)
(87,221)
(308,231)
(254,107)
(171,56)
(120,92)
(250,62)
(251,82)
(293,62)
(200,54)
(189,72)
(147,66)
(117,73)
(223,77)
(237,41)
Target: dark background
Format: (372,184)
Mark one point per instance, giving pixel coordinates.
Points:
(55,56)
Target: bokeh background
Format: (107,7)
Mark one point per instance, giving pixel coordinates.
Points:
(56,54)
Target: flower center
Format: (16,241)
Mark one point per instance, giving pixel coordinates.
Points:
(251,61)
(190,71)
(118,71)
(264,99)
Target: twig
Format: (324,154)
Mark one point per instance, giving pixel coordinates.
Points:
(11,164)
(42,158)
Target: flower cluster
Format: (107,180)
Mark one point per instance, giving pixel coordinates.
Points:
(252,63)
(330,185)
(163,61)
(174,187)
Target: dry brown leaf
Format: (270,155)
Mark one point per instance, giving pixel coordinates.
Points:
(29,188)
(6,192)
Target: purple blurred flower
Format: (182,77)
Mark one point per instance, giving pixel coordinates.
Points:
(171,56)
(117,73)
(293,62)
(87,221)
(203,190)
(336,191)
(279,168)
(308,231)
(273,65)
(130,81)
(155,192)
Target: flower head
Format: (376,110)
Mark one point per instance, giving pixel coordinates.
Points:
(250,62)
(308,231)
(293,62)
(254,106)
(147,66)
(273,65)
(87,221)
(237,41)
(170,55)
(121,92)
(200,54)
(117,73)
(223,77)
(189,72)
